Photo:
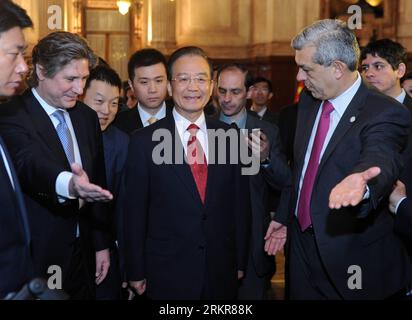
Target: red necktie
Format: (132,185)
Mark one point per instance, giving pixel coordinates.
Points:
(304,217)
(197,161)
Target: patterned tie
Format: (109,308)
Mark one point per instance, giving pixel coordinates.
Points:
(197,161)
(64,135)
(304,217)
(152,120)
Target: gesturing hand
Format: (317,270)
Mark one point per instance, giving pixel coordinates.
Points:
(351,190)
(80,187)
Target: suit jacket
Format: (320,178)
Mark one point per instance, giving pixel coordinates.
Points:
(271,117)
(184,248)
(407,102)
(115,143)
(15,262)
(273,178)
(287,127)
(403,221)
(270,179)
(129,120)
(406,175)
(371,132)
(39,158)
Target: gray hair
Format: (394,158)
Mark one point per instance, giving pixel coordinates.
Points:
(333,41)
(57,50)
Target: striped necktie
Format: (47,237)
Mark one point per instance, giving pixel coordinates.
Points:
(64,135)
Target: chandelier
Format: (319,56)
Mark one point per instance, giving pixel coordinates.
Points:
(372,3)
(124,6)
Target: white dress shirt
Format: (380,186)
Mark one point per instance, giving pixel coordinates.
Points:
(340,103)
(145,116)
(261,113)
(182,124)
(63,179)
(402,96)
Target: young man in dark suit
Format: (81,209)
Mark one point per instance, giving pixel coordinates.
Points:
(56,144)
(233,82)
(383,64)
(347,156)
(186,235)
(261,91)
(148,80)
(15,265)
(102,94)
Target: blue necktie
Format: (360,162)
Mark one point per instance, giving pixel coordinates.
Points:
(64,135)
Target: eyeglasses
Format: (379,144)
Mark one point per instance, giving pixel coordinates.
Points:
(184,80)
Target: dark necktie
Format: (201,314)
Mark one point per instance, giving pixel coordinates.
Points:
(197,161)
(234,125)
(304,217)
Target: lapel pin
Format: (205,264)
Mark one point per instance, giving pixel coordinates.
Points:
(352,119)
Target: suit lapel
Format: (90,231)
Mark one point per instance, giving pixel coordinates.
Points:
(44,126)
(80,130)
(3,170)
(109,143)
(305,122)
(250,122)
(346,122)
(136,120)
(212,168)
(17,192)
(407,102)
(169,110)
(183,170)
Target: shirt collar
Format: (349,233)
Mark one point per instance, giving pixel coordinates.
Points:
(262,111)
(182,123)
(341,102)
(48,108)
(402,96)
(240,119)
(144,115)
